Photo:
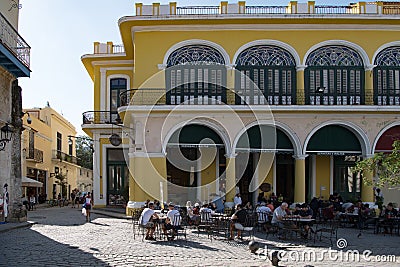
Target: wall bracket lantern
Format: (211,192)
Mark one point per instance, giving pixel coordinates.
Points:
(5,136)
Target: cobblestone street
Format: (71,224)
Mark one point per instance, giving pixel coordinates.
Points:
(61,237)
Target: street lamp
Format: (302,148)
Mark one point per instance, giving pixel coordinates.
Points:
(5,136)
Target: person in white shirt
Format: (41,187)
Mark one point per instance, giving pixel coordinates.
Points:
(205,213)
(146,219)
(279,213)
(172,222)
(237,200)
(262,212)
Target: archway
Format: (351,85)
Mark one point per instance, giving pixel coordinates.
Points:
(336,149)
(257,144)
(195,164)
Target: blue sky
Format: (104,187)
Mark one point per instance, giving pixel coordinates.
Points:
(61,31)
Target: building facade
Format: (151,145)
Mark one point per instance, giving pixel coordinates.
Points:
(14,64)
(224,99)
(49,153)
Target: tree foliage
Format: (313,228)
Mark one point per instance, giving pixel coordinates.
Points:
(84,151)
(386,166)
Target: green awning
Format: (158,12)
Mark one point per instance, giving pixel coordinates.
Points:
(193,134)
(264,137)
(334,139)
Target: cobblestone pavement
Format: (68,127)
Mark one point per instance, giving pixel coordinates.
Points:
(61,237)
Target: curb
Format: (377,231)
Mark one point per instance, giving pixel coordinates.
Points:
(111,215)
(12,226)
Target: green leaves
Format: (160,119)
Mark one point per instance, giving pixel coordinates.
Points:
(386,166)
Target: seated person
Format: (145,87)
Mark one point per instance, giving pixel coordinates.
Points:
(270,205)
(305,212)
(297,209)
(147,220)
(206,210)
(238,219)
(263,208)
(388,213)
(329,213)
(278,216)
(194,219)
(337,206)
(262,213)
(172,222)
(346,206)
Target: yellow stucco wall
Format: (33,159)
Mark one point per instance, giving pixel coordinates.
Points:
(322,176)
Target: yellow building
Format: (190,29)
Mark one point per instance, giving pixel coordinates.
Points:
(226,98)
(48,146)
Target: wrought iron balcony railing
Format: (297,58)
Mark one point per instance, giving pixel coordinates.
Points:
(35,155)
(99,117)
(197,10)
(266,9)
(14,42)
(351,9)
(205,96)
(64,157)
(310,7)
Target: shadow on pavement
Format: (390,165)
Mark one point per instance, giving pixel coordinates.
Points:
(33,249)
(189,244)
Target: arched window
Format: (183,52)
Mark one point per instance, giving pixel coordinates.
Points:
(196,75)
(334,76)
(387,77)
(117,86)
(267,76)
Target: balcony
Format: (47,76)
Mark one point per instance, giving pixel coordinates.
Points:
(205,96)
(58,155)
(311,7)
(99,117)
(35,155)
(108,48)
(14,51)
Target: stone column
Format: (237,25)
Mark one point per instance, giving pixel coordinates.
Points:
(367,191)
(369,87)
(230,178)
(300,179)
(15,187)
(300,92)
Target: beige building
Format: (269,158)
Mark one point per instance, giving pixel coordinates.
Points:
(48,145)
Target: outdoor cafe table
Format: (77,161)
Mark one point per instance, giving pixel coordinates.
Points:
(299,221)
(222,223)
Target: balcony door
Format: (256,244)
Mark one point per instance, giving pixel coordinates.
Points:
(195,75)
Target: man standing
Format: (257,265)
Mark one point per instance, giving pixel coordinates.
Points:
(5,201)
(146,220)
(73,198)
(237,200)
